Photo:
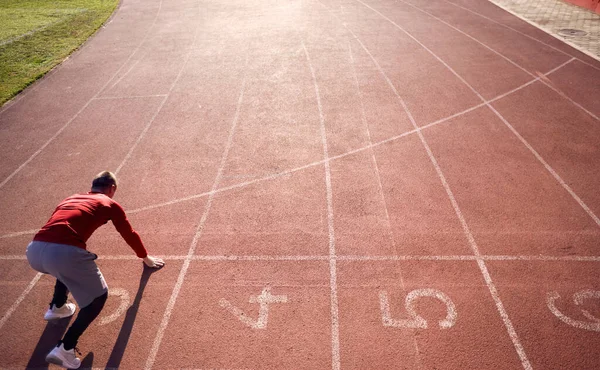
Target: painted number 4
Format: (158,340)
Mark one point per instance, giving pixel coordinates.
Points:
(415,321)
(263,300)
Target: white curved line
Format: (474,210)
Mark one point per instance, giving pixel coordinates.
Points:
(123,306)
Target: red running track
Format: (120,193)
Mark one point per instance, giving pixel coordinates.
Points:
(334,183)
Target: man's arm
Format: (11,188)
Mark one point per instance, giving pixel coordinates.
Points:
(132,238)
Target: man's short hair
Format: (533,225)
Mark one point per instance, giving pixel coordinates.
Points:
(104,180)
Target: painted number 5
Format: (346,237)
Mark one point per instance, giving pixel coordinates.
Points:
(415,321)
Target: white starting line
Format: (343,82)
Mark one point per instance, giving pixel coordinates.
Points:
(345,258)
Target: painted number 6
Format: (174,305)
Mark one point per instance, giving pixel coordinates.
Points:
(578,298)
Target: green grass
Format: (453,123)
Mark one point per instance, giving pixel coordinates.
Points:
(36,35)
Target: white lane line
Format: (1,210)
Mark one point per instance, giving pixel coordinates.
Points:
(14,306)
(527,145)
(380,187)
(128,257)
(335,328)
(410,258)
(13,257)
(125,74)
(363,117)
(261,258)
(543,258)
(19,233)
(317,163)
(547,83)
(165,98)
(135,258)
(199,229)
(490,284)
(521,33)
(7,179)
(145,130)
(549,168)
(130,97)
(310,165)
(546,165)
(227,188)
(559,92)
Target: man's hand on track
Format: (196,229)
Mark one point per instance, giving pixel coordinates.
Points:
(154,262)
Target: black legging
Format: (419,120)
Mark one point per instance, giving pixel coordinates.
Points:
(60,294)
(85,317)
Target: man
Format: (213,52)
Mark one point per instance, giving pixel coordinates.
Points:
(59,249)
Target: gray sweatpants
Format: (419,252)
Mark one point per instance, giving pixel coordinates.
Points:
(73,266)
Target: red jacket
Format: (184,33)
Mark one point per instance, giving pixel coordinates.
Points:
(76,218)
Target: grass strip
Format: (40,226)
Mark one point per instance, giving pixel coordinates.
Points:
(36,35)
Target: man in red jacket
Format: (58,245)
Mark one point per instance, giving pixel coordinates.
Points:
(59,249)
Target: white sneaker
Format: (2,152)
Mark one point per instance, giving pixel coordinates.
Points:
(61,357)
(53,313)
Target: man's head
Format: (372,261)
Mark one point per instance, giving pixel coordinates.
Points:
(106,183)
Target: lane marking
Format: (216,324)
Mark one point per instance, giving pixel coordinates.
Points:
(145,130)
(317,163)
(380,185)
(544,81)
(199,229)
(130,97)
(416,321)
(499,305)
(262,258)
(370,141)
(559,92)
(165,98)
(19,233)
(264,299)
(543,258)
(7,179)
(339,156)
(123,294)
(335,328)
(20,299)
(578,298)
(126,73)
(549,168)
(524,34)
(127,257)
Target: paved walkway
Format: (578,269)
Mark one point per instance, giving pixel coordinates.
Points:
(554,15)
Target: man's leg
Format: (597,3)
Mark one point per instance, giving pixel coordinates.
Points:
(60,294)
(84,319)
(64,353)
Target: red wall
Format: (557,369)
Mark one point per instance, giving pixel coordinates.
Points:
(589,4)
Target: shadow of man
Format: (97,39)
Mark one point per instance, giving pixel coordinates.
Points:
(116,356)
(53,332)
